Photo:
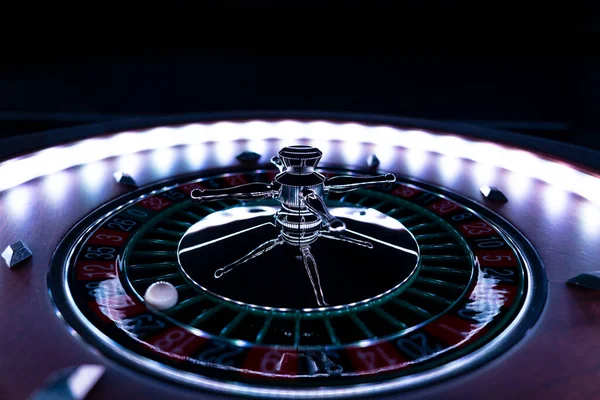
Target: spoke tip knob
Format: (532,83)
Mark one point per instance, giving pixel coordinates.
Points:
(197,194)
(390,177)
(336,226)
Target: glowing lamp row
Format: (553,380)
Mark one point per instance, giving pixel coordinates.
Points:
(16,171)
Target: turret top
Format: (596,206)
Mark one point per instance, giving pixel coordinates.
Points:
(300,159)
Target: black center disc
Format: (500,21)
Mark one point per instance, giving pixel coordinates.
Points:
(383,256)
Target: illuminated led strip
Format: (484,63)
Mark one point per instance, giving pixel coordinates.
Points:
(566,177)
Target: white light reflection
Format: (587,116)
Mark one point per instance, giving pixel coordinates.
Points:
(559,175)
(451,146)
(196,155)
(370,238)
(259,146)
(83,379)
(90,150)
(193,133)
(416,160)
(385,154)
(486,153)
(130,164)
(365,343)
(367,216)
(55,186)
(524,163)
(163,160)
(93,174)
(486,300)
(588,188)
(352,136)
(555,200)
(322,131)
(413,139)
(449,168)
(324,146)
(159,138)
(353,153)
(518,187)
(23,169)
(484,174)
(589,217)
(54,159)
(18,201)
(128,143)
(253,130)
(291,132)
(224,152)
(232,215)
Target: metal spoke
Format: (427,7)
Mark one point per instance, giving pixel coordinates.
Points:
(313,274)
(152,279)
(162,254)
(205,315)
(263,248)
(361,325)
(233,324)
(390,318)
(264,329)
(184,304)
(331,332)
(176,224)
(347,239)
(158,242)
(153,266)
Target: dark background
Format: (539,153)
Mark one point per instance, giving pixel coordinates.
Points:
(556,101)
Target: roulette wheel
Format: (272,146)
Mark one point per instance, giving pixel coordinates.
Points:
(299,255)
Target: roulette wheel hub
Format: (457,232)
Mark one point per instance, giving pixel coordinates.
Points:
(296,281)
(317,274)
(302,219)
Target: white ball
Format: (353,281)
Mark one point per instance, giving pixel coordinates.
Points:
(161,295)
